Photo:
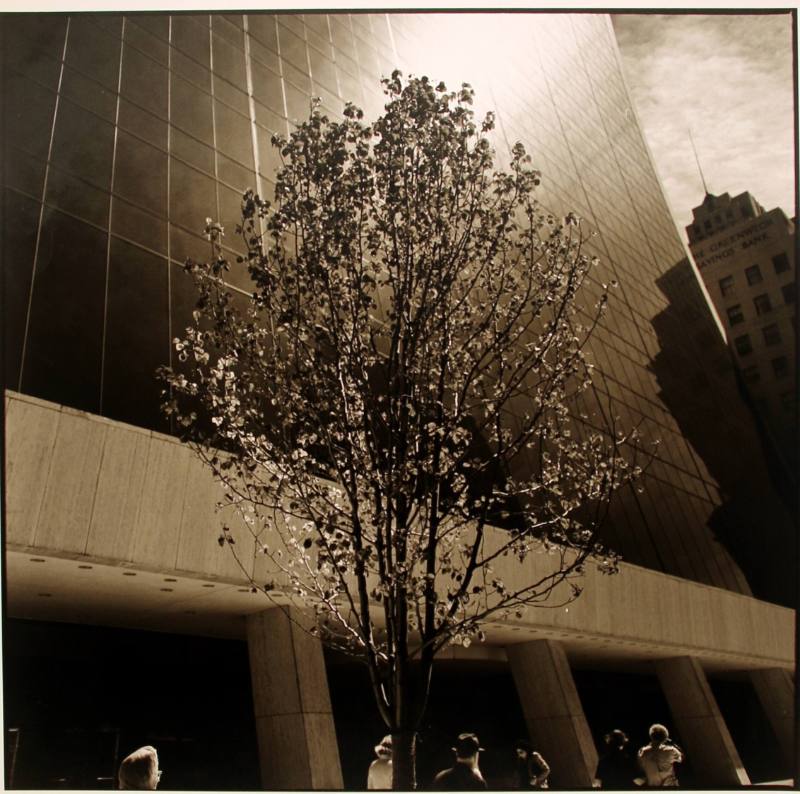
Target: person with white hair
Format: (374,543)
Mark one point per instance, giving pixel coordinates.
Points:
(658,758)
(139,771)
(379,776)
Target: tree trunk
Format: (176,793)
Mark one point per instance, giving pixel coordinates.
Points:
(404,760)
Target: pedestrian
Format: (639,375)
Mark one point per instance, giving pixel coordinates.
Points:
(616,768)
(139,771)
(465,774)
(657,759)
(532,771)
(380,770)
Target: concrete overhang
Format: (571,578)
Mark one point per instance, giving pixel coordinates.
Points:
(109,524)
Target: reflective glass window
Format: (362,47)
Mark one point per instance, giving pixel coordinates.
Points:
(143,124)
(788,292)
(233,134)
(135,347)
(191,35)
(267,88)
(136,224)
(726,285)
(62,360)
(735,315)
(93,52)
(191,110)
(780,367)
(83,144)
(20,221)
(780,262)
(140,173)
(144,40)
(229,62)
(91,95)
(743,345)
(76,196)
(772,335)
(753,275)
(762,304)
(192,197)
(144,82)
(192,151)
(28,114)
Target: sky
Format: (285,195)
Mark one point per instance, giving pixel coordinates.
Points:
(726,77)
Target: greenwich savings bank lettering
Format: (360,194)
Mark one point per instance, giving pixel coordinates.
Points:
(742,240)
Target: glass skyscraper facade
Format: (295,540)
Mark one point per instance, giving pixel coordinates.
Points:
(124,133)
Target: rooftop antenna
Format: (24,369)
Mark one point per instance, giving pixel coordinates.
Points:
(697,160)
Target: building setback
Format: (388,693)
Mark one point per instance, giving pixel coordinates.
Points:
(122,135)
(746,257)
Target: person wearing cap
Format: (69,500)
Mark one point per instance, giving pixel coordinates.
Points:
(464,775)
(139,771)
(380,770)
(658,758)
(532,771)
(616,768)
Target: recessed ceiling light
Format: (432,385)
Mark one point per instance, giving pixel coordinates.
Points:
(170,580)
(208,585)
(36,559)
(85,567)
(128,573)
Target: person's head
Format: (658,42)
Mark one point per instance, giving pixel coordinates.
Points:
(658,733)
(616,739)
(139,771)
(522,749)
(467,747)
(384,749)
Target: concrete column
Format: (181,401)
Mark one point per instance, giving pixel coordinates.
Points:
(704,734)
(553,712)
(775,690)
(294,721)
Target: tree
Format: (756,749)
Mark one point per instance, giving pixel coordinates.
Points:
(395,409)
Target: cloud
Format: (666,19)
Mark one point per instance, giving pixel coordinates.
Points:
(729,79)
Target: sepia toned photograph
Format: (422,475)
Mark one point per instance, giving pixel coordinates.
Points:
(399,399)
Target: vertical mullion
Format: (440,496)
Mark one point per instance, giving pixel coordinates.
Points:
(110,215)
(41,205)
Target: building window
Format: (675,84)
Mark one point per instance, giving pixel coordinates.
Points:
(780,367)
(753,275)
(780,263)
(726,285)
(788,401)
(743,345)
(788,292)
(750,374)
(762,304)
(735,315)
(772,336)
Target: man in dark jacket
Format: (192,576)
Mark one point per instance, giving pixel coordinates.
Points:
(464,775)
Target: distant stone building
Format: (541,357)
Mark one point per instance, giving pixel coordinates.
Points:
(746,257)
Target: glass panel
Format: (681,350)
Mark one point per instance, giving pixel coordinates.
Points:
(267,88)
(190,34)
(76,197)
(144,82)
(192,197)
(145,41)
(144,124)
(137,289)
(89,94)
(191,151)
(23,172)
(28,57)
(83,144)
(233,134)
(137,225)
(191,70)
(229,61)
(65,335)
(191,110)
(28,114)
(140,173)
(157,24)
(93,52)
(20,223)
(262,27)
